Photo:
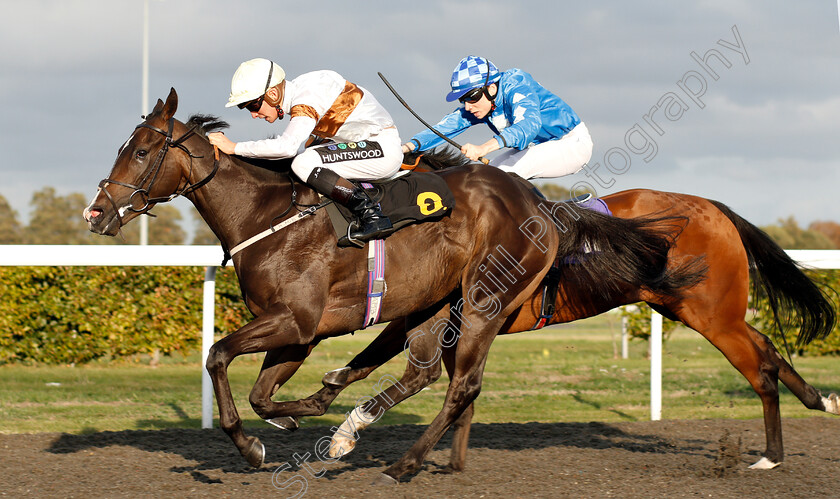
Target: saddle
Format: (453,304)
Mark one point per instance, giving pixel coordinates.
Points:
(414,197)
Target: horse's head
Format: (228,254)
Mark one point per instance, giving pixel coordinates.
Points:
(152,166)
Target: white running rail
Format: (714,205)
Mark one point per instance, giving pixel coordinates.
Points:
(211,257)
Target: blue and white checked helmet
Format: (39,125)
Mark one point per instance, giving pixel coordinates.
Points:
(472,72)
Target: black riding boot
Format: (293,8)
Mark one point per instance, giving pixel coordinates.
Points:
(372,224)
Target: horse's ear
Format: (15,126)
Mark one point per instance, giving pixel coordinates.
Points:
(171,104)
(157,107)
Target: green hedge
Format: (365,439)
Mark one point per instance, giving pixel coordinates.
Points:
(68,315)
(829,280)
(761,318)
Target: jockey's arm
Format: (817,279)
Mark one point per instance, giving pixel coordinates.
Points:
(287,145)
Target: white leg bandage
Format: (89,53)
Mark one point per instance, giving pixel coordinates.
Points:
(831,404)
(344,438)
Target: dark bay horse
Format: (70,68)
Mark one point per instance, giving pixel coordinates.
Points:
(734,250)
(302,288)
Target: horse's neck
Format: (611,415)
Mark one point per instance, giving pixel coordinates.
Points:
(241,199)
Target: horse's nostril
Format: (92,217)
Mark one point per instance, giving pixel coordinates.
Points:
(95,212)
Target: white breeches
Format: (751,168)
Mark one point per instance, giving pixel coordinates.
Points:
(554,158)
(378,157)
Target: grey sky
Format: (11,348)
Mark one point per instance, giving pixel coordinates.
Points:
(764,141)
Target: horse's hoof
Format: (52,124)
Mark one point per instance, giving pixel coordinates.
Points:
(831,404)
(384,480)
(255,452)
(450,469)
(341,446)
(337,378)
(764,464)
(287,423)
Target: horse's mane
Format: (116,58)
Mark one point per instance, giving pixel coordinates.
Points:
(207,123)
(438,158)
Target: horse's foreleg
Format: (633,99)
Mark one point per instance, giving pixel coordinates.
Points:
(807,394)
(423,369)
(260,335)
(218,360)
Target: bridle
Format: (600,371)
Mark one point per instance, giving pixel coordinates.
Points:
(151,175)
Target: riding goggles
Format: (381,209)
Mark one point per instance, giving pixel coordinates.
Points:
(472,96)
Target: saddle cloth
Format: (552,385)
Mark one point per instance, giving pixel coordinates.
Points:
(551,281)
(411,198)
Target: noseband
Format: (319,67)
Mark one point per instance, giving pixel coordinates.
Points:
(152,174)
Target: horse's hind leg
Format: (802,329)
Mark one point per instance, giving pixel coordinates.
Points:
(756,364)
(285,415)
(464,387)
(388,344)
(275,372)
(461,427)
(461,439)
(807,394)
(413,380)
(278,366)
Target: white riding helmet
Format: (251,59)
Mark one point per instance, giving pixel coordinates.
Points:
(252,79)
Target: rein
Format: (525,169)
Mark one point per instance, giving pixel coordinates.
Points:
(152,174)
(274,228)
(310,210)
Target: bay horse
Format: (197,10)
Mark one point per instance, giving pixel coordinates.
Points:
(734,250)
(302,288)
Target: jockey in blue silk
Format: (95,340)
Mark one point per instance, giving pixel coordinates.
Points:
(543,136)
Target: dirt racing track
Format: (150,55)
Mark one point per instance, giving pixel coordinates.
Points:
(707,458)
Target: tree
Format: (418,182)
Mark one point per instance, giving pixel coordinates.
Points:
(11,231)
(831,230)
(203,234)
(57,219)
(554,192)
(639,324)
(789,235)
(164,227)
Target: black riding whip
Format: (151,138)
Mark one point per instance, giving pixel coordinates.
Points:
(405,104)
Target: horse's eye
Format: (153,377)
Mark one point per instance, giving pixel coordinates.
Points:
(141,154)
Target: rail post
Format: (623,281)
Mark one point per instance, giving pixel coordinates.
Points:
(207,326)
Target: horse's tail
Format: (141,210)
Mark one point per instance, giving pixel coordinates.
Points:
(790,293)
(607,256)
